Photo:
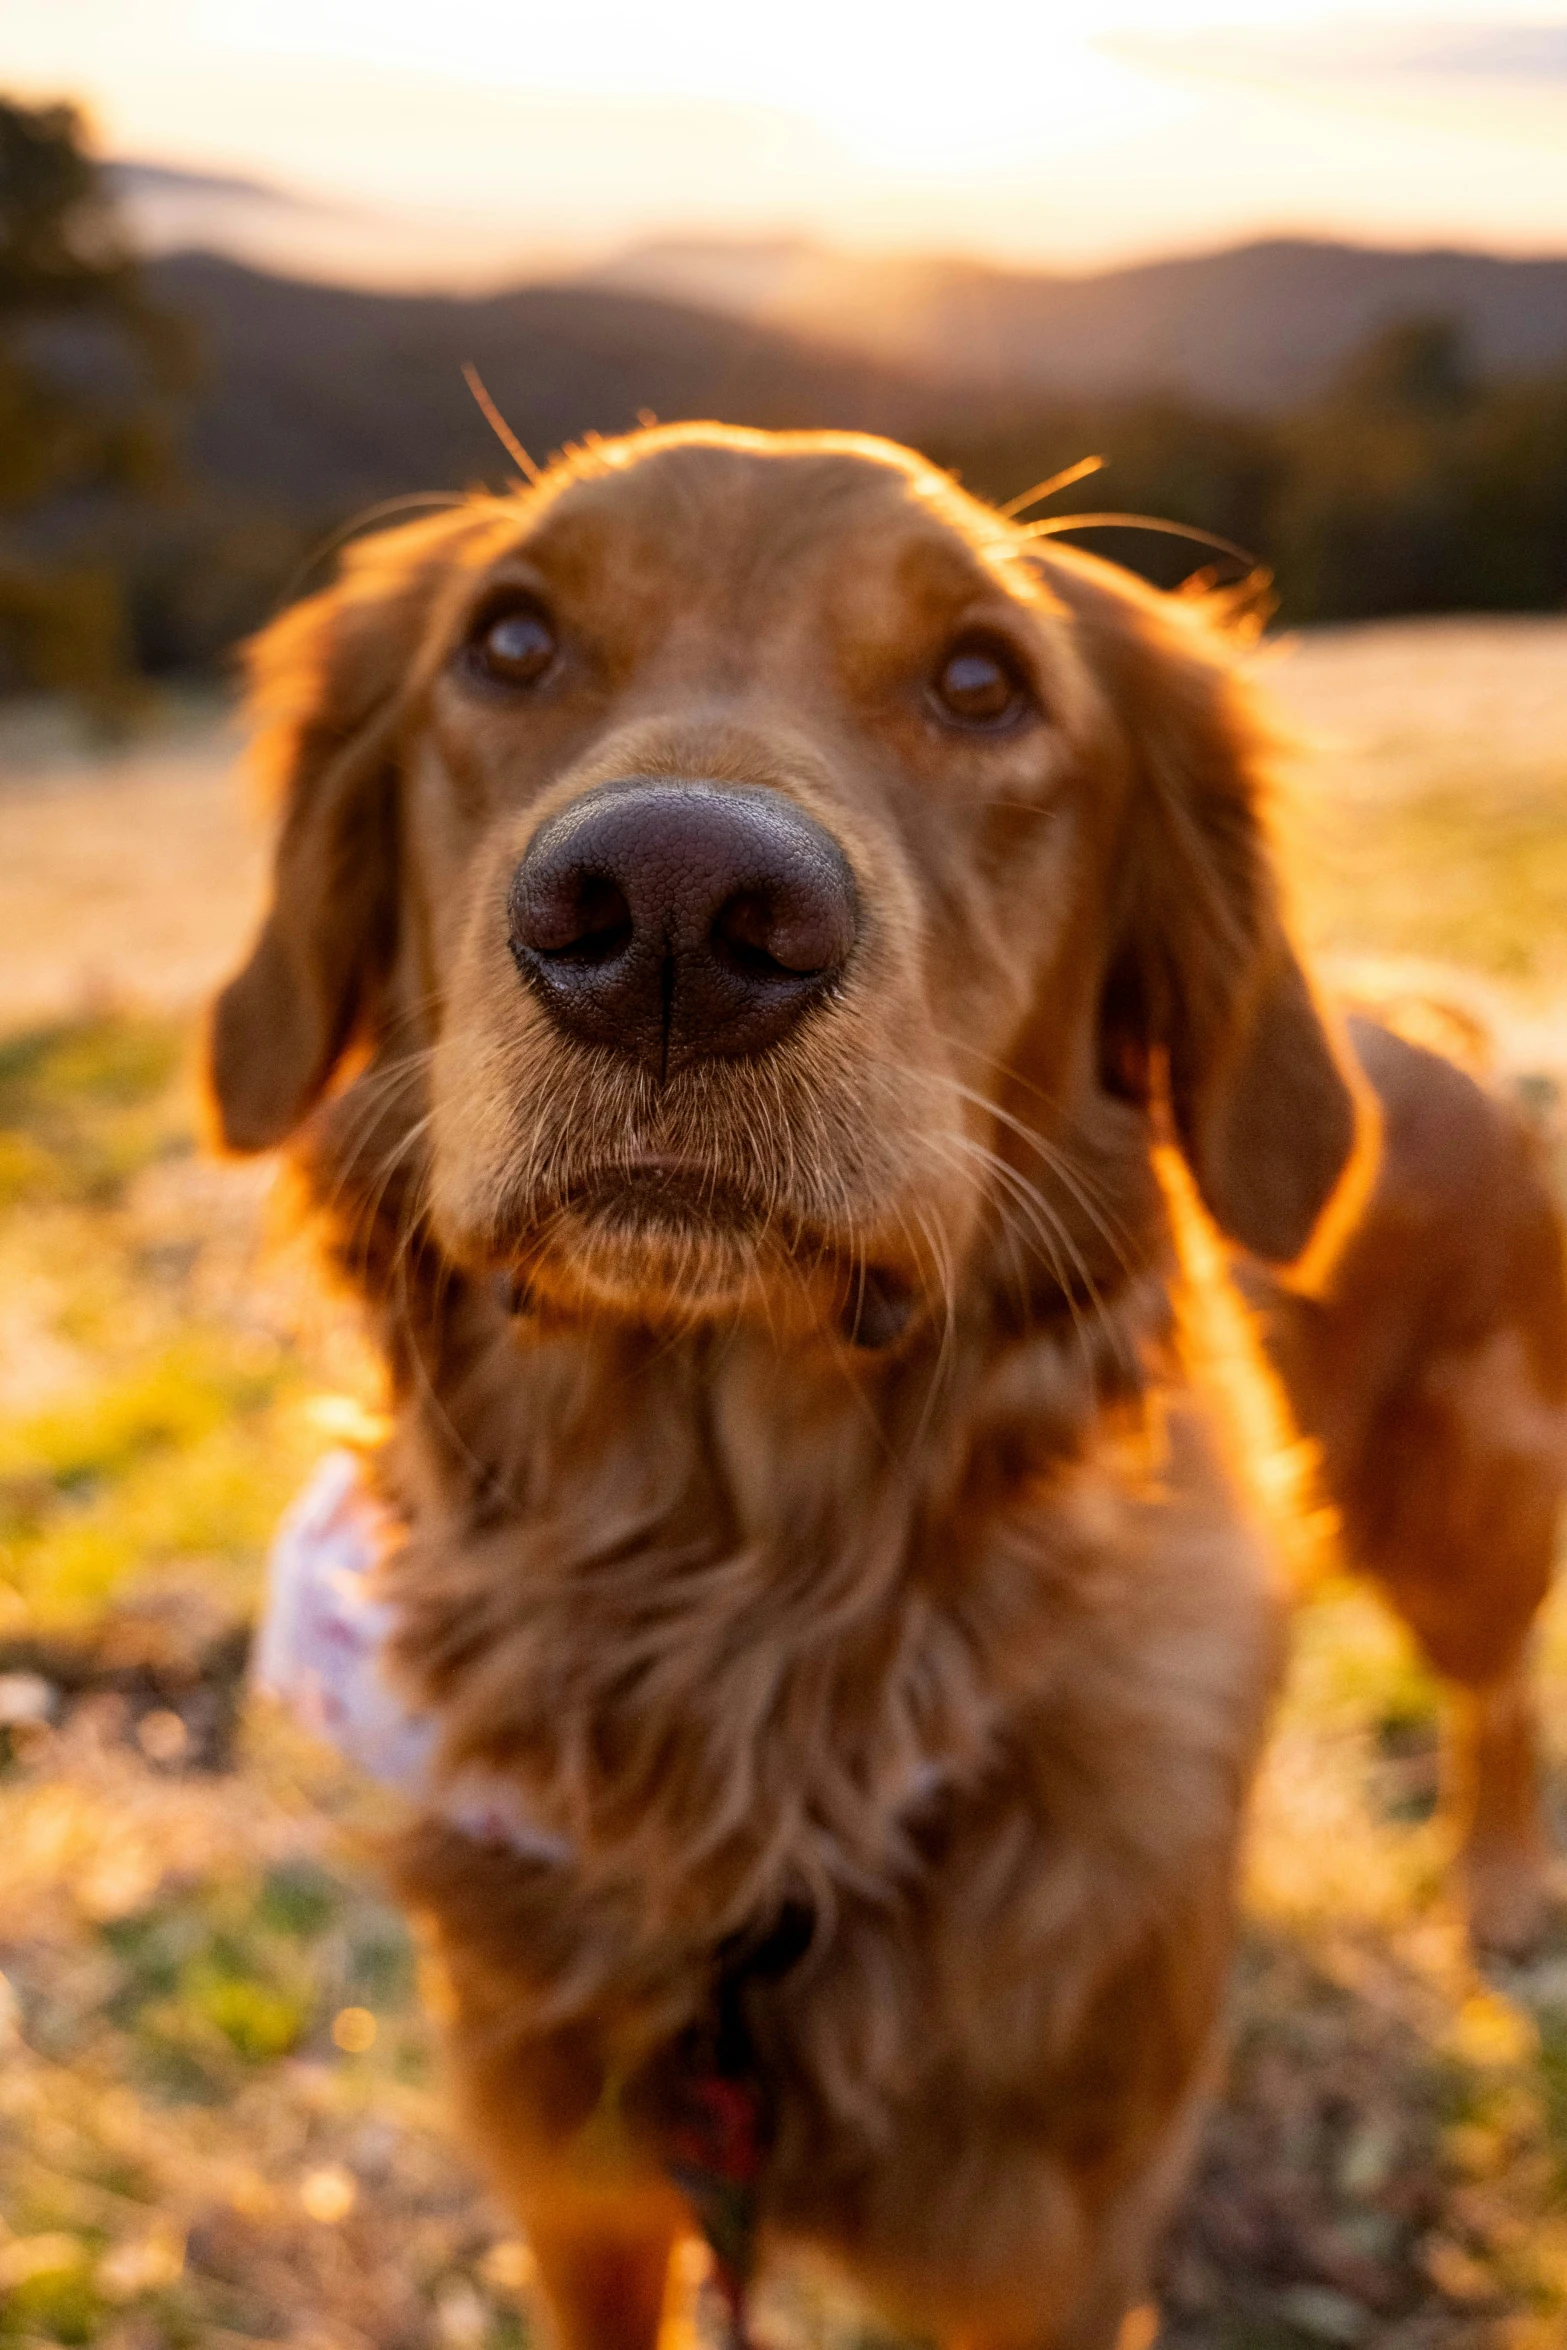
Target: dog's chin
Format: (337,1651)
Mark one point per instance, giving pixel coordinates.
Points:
(665,1243)
(662,1241)
(658,1271)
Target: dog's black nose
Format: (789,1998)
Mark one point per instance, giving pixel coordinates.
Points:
(680,921)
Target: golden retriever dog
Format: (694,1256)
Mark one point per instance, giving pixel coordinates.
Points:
(777,983)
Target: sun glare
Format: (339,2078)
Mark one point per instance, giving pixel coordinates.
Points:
(905,94)
(491,138)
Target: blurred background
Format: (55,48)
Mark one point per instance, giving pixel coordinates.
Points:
(1301,280)
(1299,277)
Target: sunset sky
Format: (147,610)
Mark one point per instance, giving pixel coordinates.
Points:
(482,140)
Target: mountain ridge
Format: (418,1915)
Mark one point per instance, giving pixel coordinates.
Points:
(339,395)
(1254,326)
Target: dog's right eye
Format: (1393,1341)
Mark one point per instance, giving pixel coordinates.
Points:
(515,647)
(980,686)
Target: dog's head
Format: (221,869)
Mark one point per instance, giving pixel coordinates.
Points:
(767,883)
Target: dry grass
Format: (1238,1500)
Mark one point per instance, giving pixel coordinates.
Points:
(123,875)
(219,2123)
(1428,812)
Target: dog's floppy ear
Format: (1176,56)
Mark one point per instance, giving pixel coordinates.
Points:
(325,686)
(1203,979)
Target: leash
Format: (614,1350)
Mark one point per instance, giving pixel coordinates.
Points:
(717,2114)
(714,2151)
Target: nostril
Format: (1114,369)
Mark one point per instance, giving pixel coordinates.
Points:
(744,935)
(766,932)
(572,917)
(597,926)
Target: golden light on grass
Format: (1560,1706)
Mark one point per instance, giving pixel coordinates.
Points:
(162,1736)
(328,2194)
(140,2265)
(26,2257)
(461,2318)
(509,2266)
(353,2030)
(116,1883)
(1456,2274)
(345,1419)
(436,1995)
(690,2267)
(253,2195)
(1490,2031)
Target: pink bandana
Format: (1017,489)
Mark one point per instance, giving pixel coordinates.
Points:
(319,1648)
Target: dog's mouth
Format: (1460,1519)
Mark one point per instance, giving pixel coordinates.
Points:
(676,1195)
(683,1238)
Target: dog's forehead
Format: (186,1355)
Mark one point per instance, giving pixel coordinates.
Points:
(737,512)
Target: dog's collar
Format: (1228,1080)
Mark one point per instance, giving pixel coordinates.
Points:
(319,1649)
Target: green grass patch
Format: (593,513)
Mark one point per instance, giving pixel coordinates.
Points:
(298,1898)
(1355,1665)
(59,2302)
(236,1975)
(178,1459)
(165,1405)
(1553,2084)
(87,1104)
(1452,874)
(258,2020)
(175,1445)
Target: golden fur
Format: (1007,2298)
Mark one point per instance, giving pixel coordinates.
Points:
(954,1651)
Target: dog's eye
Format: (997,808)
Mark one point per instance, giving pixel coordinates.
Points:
(517,646)
(979,684)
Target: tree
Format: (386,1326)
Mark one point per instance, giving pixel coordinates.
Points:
(89,367)
(1373,517)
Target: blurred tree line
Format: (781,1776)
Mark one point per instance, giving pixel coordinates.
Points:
(131,546)
(90,367)
(1409,486)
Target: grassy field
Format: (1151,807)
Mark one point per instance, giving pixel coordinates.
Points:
(220,2123)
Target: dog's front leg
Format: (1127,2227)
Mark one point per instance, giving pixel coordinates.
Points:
(601,2220)
(604,2275)
(1138,2329)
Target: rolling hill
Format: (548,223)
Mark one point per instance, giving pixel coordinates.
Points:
(1259,327)
(318,399)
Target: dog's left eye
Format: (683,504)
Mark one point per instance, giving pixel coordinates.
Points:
(979,685)
(517,646)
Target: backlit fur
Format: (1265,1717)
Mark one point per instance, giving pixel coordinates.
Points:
(958,1649)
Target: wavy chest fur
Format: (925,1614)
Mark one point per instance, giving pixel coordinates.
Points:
(749,1634)
(971,1675)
